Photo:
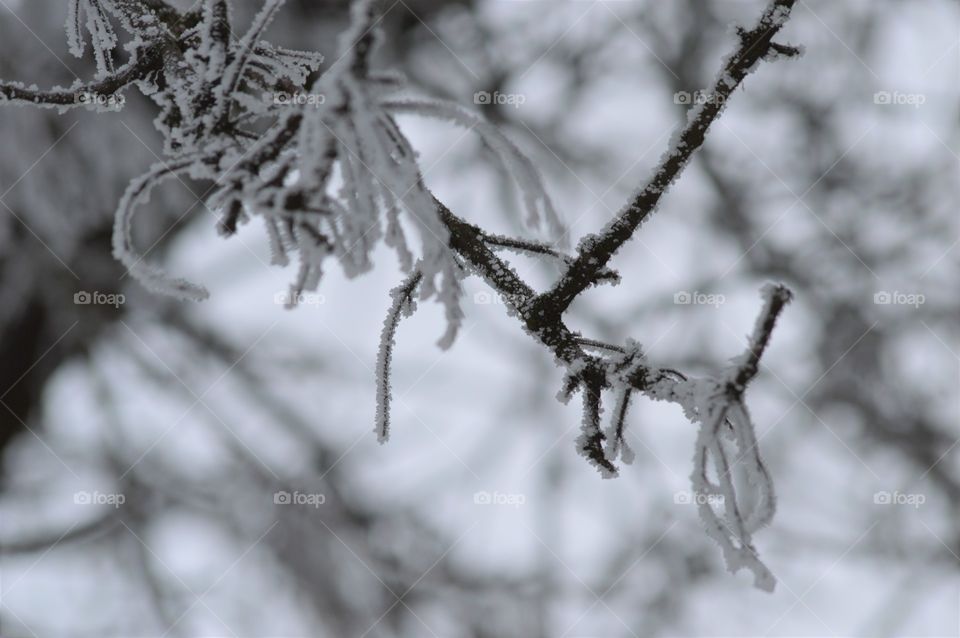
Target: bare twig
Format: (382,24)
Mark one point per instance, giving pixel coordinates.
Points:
(777,297)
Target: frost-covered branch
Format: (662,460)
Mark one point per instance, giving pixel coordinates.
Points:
(595,251)
(524,246)
(137,193)
(333,177)
(714,403)
(100,93)
(591,439)
(776,298)
(404,305)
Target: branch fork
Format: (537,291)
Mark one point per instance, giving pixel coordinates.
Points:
(209,88)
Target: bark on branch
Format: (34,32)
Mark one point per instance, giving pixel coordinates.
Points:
(595,251)
(149,61)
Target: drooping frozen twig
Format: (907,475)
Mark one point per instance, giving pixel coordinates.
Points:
(138,193)
(404,304)
(621,375)
(764,504)
(232,73)
(518,166)
(103,37)
(730,531)
(590,442)
(616,434)
(715,402)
